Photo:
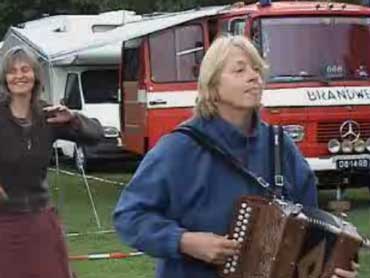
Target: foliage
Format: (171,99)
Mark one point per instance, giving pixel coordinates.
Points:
(15,12)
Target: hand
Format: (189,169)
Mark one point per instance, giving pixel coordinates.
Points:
(59,114)
(208,247)
(3,195)
(341,273)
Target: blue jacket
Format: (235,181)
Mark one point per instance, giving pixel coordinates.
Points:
(179,186)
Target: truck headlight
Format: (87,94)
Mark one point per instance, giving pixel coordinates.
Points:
(359,146)
(110,132)
(367,144)
(347,146)
(334,146)
(296,132)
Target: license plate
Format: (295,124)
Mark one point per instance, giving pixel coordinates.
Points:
(357,163)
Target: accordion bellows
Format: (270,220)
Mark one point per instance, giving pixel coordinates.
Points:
(285,240)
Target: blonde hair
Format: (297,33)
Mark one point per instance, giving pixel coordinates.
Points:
(212,66)
(13,55)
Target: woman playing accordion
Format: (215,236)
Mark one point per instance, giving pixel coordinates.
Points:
(180,202)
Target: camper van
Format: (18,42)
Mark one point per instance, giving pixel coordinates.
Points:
(92,91)
(318,86)
(78,73)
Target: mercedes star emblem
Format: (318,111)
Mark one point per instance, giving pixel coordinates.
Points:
(350,130)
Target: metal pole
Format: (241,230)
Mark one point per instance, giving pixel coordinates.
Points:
(82,170)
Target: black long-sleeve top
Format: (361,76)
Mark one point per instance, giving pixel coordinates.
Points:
(25,154)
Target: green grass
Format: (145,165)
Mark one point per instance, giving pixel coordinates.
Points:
(70,196)
(359,215)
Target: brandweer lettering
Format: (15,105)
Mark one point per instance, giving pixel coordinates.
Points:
(338,94)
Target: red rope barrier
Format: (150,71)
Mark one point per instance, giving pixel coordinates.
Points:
(105,256)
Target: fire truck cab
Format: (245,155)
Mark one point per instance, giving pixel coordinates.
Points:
(317,88)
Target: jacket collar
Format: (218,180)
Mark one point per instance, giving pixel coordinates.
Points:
(226,133)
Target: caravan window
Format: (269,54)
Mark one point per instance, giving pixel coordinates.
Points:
(72,96)
(100,86)
(175,54)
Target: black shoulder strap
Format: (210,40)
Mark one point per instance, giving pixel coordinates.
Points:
(212,146)
(277,135)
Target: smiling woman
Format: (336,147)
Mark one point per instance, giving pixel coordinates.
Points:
(21,75)
(28,129)
(20,78)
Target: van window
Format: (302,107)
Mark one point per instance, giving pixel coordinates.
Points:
(131,64)
(238,27)
(100,86)
(72,96)
(175,54)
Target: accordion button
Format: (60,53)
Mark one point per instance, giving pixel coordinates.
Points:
(249,209)
(242,233)
(237,229)
(234,263)
(244,205)
(236,235)
(226,271)
(241,211)
(247,215)
(245,221)
(232,269)
(238,223)
(227,265)
(240,239)
(244,228)
(240,217)
(235,257)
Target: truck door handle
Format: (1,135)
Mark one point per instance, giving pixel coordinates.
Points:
(157,102)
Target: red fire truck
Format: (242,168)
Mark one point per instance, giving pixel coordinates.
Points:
(318,85)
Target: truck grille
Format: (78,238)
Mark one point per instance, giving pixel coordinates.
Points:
(330,130)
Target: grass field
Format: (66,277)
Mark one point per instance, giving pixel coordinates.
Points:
(70,196)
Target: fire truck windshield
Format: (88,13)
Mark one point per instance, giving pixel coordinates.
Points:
(314,48)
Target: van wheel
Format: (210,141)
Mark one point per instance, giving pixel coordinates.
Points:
(79,158)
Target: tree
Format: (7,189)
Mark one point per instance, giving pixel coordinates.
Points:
(15,12)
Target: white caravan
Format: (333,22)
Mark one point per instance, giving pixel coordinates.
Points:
(86,81)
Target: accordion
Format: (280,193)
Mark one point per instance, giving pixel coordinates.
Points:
(285,240)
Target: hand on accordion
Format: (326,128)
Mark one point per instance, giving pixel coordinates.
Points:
(341,273)
(208,247)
